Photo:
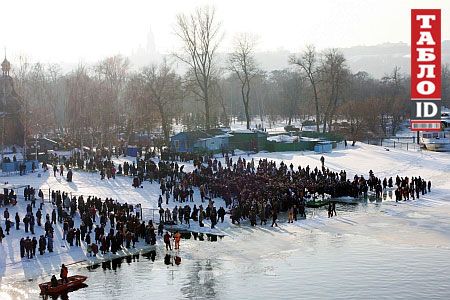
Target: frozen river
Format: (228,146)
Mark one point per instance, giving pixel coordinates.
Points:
(370,251)
(382,250)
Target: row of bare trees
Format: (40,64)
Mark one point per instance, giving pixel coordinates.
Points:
(109,100)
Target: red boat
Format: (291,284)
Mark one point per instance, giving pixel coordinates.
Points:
(75,281)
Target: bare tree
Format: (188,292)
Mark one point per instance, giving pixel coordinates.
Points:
(54,91)
(354,113)
(445,84)
(200,35)
(81,105)
(332,73)
(217,93)
(112,74)
(142,115)
(289,86)
(394,106)
(242,63)
(308,63)
(163,89)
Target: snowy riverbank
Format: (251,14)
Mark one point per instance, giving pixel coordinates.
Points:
(355,160)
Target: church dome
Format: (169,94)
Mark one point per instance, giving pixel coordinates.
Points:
(6,66)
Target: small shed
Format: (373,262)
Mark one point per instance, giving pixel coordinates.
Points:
(323,147)
(132,151)
(185,141)
(213,144)
(248,140)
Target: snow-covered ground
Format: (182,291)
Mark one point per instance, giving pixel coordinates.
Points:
(274,127)
(430,212)
(84,183)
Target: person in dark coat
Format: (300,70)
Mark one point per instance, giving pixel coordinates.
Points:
(17,218)
(28,247)
(42,245)
(34,243)
(22,247)
(78,237)
(274,218)
(7,226)
(221,214)
(38,217)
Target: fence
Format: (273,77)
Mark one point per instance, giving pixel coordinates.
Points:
(9,168)
(404,143)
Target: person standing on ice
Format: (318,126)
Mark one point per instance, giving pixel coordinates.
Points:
(49,242)
(32,223)
(274,217)
(28,245)
(64,274)
(6,215)
(187,215)
(17,219)
(7,226)
(42,245)
(54,216)
(191,194)
(41,196)
(291,215)
(167,241)
(26,221)
(38,217)
(161,215)
(55,168)
(177,238)
(33,246)
(175,214)
(221,214)
(22,247)
(167,197)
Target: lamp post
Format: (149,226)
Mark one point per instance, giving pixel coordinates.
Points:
(36,148)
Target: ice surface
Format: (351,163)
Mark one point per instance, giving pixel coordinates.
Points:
(376,250)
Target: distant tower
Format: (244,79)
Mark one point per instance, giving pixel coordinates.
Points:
(11,127)
(6,66)
(151,46)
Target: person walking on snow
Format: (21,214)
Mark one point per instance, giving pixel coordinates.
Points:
(177,238)
(167,241)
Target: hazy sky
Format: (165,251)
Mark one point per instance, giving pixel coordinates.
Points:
(88,30)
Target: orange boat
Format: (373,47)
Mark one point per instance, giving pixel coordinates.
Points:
(75,282)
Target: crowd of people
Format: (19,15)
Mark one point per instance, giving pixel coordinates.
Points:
(102,225)
(254,191)
(259,192)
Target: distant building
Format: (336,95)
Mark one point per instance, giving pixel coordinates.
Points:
(12,130)
(146,55)
(213,144)
(248,140)
(185,141)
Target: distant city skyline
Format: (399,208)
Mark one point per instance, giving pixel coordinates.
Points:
(74,31)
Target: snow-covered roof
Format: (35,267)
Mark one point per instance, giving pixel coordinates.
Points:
(224,135)
(242,131)
(283,138)
(308,139)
